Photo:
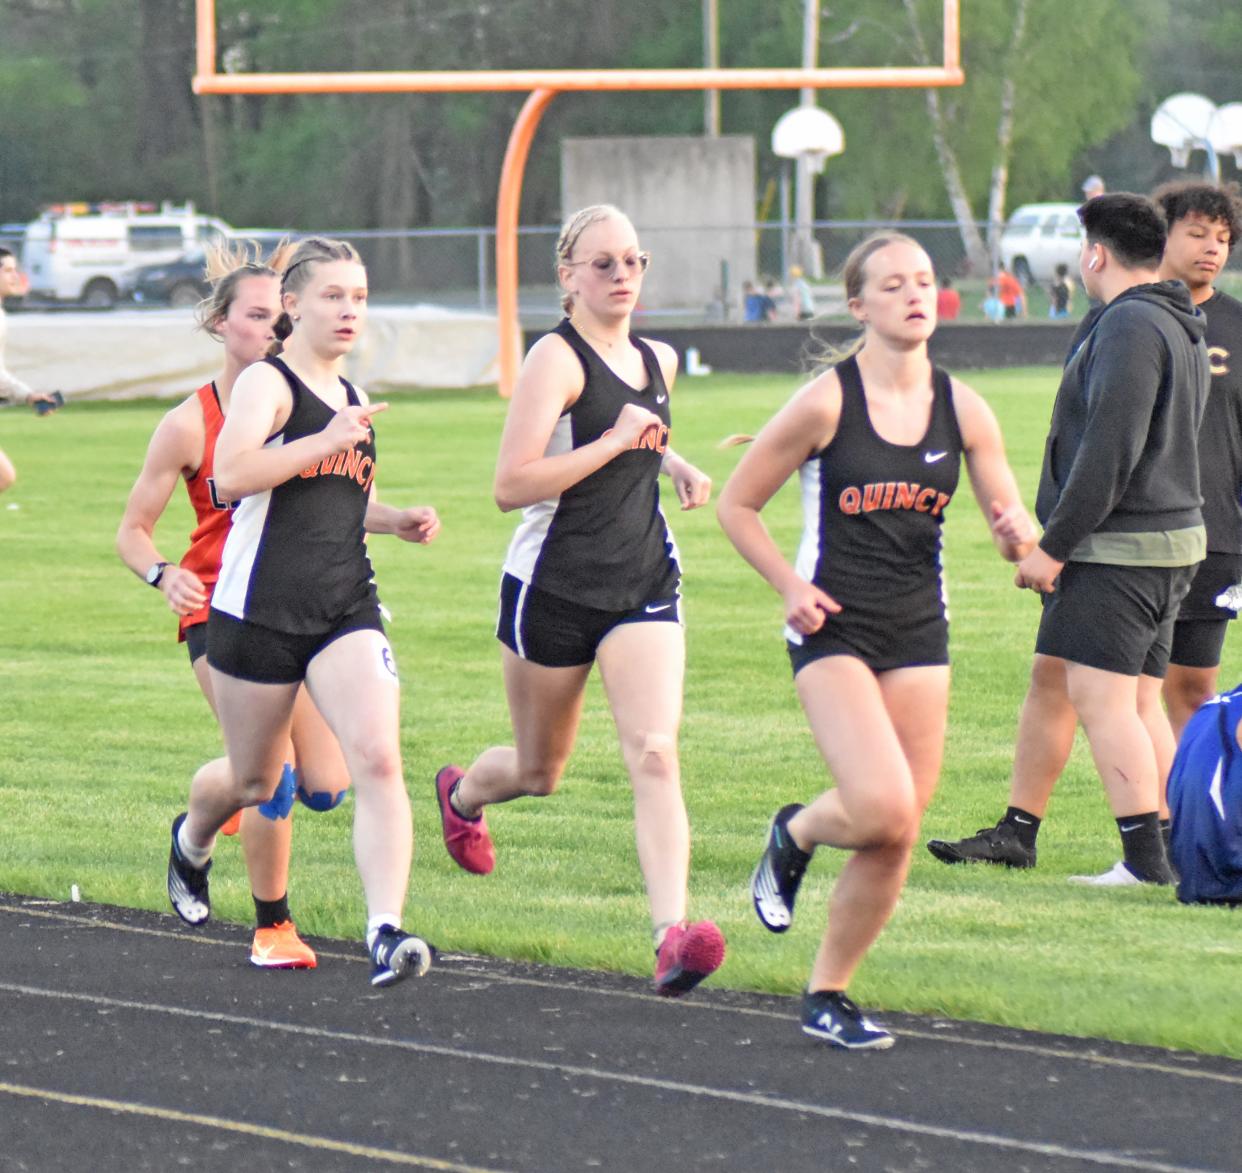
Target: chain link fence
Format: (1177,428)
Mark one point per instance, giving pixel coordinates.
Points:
(455,267)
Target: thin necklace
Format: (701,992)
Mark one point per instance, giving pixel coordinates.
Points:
(604,342)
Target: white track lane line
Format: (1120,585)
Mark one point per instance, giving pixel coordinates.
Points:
(263,1132)
(1100,1157)
(472,961)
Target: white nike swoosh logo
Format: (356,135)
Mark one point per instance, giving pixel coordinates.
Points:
(932,457)
(1020,819)
(652,610)
(661,398)
(1126,828)
(1214,792)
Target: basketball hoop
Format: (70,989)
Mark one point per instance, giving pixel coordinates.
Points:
(1180,123)
(1225,131)
(807,132)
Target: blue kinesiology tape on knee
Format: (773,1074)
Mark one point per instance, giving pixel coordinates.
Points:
(320,801)
(281,803)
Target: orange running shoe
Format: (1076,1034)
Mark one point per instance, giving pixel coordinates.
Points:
(233,825)
(280,947)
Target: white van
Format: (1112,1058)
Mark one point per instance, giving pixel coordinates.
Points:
(1038,237)
(86,252)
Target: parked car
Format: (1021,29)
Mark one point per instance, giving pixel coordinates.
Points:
(1039,237)
(87,252)
(177,283)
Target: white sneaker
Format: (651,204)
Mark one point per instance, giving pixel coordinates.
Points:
(1118,876)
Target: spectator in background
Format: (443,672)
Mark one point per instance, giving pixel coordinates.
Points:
(800,292)
(12,389)
(1008,290)
(948,301)
(756,306)
(775,294)
(1092,186)
(1060,293)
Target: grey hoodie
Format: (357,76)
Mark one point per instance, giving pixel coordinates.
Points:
(1120,480)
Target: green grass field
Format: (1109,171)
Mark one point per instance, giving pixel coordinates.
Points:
(102,727)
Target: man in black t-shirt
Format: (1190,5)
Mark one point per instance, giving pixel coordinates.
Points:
(1204,221)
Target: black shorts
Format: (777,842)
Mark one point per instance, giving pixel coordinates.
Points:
(882,641)
(546,629)
(1115,618)
(196,640)
(1199,634)
(259,654)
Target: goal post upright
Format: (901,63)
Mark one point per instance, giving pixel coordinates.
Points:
(541,86)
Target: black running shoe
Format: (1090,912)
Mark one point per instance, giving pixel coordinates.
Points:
(999,844)
(831,1016)
(396,955)
(774,886)
(187,885)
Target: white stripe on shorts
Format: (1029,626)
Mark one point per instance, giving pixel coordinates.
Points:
(517,619)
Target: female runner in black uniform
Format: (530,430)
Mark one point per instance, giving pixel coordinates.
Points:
(592,577)
(295,600)
(877,440)
(240,313)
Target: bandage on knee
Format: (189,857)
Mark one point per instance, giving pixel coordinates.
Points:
(281,803)
(320,801)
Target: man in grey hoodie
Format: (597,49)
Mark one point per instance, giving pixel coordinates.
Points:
(1119,499)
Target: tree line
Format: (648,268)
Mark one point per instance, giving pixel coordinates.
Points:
(95,102)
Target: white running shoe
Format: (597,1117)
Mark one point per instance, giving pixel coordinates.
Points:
(1118,876)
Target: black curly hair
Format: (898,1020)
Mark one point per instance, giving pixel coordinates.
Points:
(1212,201)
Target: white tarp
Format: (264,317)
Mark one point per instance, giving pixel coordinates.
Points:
(127,354)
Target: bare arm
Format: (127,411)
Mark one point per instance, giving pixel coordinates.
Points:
(417,523)
(991,478)
(260,407)
(12,389)
(175,451)
(804,425)
(550,381)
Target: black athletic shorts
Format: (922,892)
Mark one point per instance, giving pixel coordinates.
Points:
(1116,618)
(883,640)
(196,640)
(1199,634)
(546,629)
(259,654)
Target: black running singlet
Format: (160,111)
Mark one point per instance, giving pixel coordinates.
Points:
(603,542)
(873,511)
(295,559)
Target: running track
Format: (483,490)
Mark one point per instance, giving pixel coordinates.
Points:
(130,1042)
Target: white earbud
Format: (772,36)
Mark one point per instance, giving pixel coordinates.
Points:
(1093,263)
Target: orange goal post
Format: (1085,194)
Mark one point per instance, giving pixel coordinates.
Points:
(542,85)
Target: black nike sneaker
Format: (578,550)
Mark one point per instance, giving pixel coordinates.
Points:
(999,844)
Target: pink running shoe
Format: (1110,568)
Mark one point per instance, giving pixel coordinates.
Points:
(467,840)
(690,953)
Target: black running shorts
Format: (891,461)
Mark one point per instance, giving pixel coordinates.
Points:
(881,639)
(546,629)
(1199,634)
(259,654)
(1115,618)
(196,640)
